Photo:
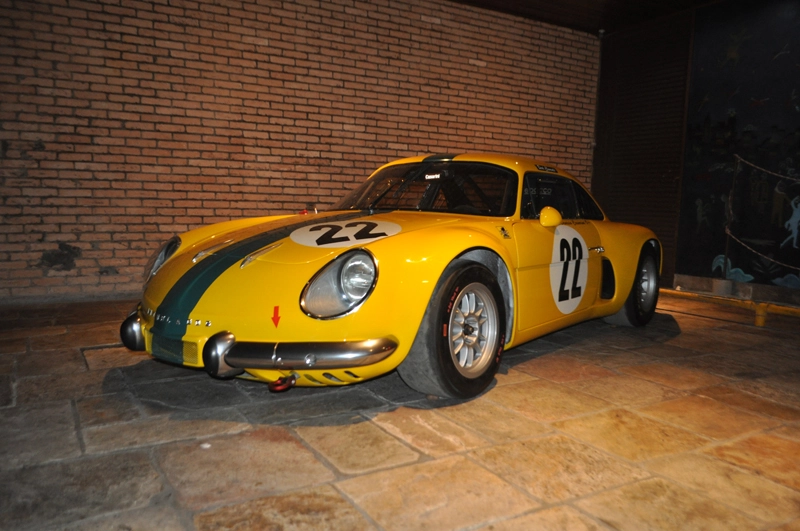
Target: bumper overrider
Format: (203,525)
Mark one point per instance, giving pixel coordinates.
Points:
(224,357)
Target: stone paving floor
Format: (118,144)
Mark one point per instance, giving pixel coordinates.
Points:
(690,423)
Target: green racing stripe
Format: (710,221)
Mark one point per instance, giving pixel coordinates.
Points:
(184,295)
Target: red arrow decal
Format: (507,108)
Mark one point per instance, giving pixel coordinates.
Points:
(276,318)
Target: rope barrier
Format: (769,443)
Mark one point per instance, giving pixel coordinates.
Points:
(740,242)
(759,168)
(731,216)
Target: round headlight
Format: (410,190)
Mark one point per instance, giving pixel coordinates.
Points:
(358,274)
(162,255)
(341,286)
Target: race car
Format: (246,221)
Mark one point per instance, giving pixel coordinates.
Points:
(432,267)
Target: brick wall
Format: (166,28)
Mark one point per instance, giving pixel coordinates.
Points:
(123,122)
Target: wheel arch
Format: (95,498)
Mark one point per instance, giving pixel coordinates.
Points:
(659,251)
(495,263)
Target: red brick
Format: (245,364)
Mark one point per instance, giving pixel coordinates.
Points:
(128,121)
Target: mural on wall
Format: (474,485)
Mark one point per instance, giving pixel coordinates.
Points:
(742,158)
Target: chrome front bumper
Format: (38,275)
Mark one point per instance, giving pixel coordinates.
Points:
(224,357)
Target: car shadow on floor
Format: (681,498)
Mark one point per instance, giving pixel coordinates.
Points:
(153,388)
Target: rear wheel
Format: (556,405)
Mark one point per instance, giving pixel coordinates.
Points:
(458,346)
(640,306)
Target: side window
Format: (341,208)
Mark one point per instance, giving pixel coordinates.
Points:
(543,190)
(587,208)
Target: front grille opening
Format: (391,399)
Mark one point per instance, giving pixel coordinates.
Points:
(332,378)
(190,353)
(313,380)
(353,375)
(166,349)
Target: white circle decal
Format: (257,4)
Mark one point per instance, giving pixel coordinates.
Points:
(344,234)
(568,268)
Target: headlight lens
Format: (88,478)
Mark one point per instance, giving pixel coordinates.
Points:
(341,286)
(158,259)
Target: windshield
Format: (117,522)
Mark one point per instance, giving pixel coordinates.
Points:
(458,187)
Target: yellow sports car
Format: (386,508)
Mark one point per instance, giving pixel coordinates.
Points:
(432,267)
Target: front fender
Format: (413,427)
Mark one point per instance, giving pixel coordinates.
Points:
(623,245)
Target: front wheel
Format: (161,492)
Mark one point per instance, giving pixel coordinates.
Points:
(458,346)
(640,306)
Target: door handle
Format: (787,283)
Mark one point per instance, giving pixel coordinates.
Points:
(597,249)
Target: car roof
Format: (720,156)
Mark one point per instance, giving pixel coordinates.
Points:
(518,163)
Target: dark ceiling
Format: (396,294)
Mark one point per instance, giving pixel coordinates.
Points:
(589,15)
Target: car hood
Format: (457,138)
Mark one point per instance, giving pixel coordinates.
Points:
(303,239)
(242,251)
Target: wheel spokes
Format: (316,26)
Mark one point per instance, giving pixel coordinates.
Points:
(472,329)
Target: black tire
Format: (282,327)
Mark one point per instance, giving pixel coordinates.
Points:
(435,365)
(640,305)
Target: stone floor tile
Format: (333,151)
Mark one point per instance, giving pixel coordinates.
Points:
(308,509)
(259,392)
(631,436)
(110,357)
(559,518)
(704,341)
(625,338)
(743,364)
(556,468)
(625,390)
(7,364)
(6,391)
(659,504)
(12,334)
(790,432)
(708,417)
(545,401)
(392,389)
(771,456)
(13,346)
(53,495)
(428,431)
(291,407)
(775,358)
(68,386)
(756,404)
(493,422)
(672,376)
(536,347)
(444,494)
(794,525)
(107,409)
(611,358)
(662,351)
(80,336)
(356,446)
(558,368)
(206,393)
(162,518)
(152,370)
(741,336)
(687,322)
(96,311)
(789,380)
(63,361)
(734,486)
(163,429)
(768,389)
(261,462)
(508,376)
(36,434)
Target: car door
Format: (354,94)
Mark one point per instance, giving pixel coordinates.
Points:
(559,268)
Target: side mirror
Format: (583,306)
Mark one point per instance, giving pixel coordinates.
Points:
(549,217)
